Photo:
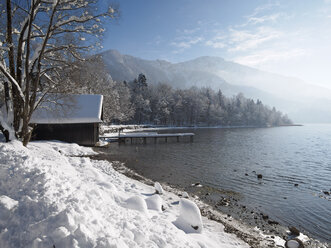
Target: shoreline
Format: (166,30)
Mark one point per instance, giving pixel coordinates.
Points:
(245,233)
(260,234)
(236,218)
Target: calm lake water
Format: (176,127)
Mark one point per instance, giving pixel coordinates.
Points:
(220,158)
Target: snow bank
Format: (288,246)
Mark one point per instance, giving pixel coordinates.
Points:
(50,197)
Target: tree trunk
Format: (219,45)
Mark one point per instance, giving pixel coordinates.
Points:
(11,59)
(7,100)
(5,133)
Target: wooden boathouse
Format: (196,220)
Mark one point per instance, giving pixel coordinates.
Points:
(69,118)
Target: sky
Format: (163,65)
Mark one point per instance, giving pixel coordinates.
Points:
(291,38)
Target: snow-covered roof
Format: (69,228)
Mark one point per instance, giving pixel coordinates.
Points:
(65,109)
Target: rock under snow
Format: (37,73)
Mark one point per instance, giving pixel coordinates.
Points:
(158,188)
(294,243)
(185,195)
(154,202)
(137,203)
(189,219)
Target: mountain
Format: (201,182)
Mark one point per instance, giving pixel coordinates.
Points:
(302,101)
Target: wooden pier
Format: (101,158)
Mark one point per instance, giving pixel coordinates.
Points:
(144,136)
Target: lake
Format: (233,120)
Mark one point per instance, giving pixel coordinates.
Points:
(295,163)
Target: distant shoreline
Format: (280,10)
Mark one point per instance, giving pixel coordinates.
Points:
(291,125)
(138,127)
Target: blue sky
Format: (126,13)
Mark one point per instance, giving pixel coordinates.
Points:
(287,37)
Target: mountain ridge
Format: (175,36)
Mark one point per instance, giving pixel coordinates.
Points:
(291,95)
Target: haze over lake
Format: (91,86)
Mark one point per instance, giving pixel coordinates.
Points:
(220,158)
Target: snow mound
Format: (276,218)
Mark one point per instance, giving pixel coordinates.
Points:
(158,188)
(7,202)
(137,203)
(154,202)
(189,219)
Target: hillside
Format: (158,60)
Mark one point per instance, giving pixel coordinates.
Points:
(303,102)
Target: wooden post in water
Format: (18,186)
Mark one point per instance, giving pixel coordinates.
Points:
(121,140)
(155,139)
(177,138)
(166,139)
(145,140)
(191,138)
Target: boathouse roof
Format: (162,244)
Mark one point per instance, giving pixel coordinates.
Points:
(66,109)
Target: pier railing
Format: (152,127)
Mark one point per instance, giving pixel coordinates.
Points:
(121,138)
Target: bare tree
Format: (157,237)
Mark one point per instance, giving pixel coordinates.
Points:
(41,39)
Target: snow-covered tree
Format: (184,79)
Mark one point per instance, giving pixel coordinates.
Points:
(91,77)
(39,39)
(140,99)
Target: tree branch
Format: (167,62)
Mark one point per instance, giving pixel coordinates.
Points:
(12,80)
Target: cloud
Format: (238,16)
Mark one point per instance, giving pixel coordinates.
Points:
(254,32)
(242,40)
(259,15)
(187,38)
(215,44)
(262,19)
(239,40)
(265,56)
(188,43)
(184,43)
(219,41)
(265,7)
(189,31)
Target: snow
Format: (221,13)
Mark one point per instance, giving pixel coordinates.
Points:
(52,194)
(189,219)
(63,109)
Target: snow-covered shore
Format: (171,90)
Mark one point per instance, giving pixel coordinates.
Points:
(51,194)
